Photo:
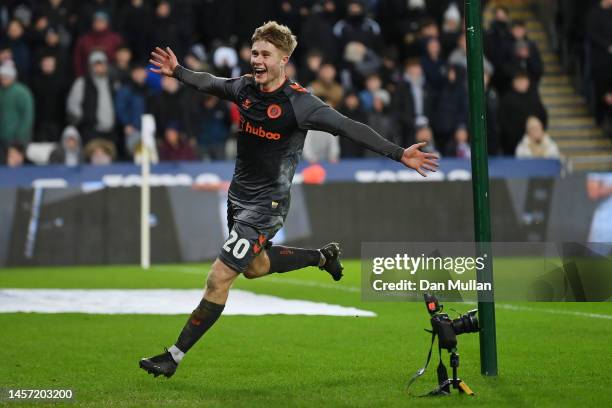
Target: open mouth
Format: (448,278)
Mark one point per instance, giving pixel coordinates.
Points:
(259,72)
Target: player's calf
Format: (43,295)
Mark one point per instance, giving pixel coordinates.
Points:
(285,259)
(201,319)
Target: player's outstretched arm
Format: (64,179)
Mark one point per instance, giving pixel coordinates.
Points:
(319,116)
(166,63)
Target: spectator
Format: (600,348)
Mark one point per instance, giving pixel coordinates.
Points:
(36,36)
(498,45)
(174,146)
(6,56)
(452,109)
(359,62)
(99,38)
(16,155)
(536,143)
(59,15)
(138,36)
(326,87)
(100,152)
(514,109)
(120,70)
(459,56)
(451,29)
(171,105)
(131,103)
(373,89)
(379,119)
(86,10)
(90,101)
(425,134)
(524,55)
(434,66)
(290,13)
(318,31)
(492,111)
(599,34)
(389,71)
(16,41)
(244,61)
(168,28)
(356,27)
(225,60)
(412,101)
(53,46)
(351,108)
(69,151)
(401,22)
(459,147)
(197,60)
(212,126)
(49,88)
(429,29)
(16,107)
(321,146)
(310,70)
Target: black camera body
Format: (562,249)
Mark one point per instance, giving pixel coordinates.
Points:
(448,329)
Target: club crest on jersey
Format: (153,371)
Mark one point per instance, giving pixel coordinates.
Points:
(274,111)
(246,104)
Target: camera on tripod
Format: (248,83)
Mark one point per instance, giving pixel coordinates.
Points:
(447,330)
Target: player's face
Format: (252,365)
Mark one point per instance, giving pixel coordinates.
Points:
(267,63)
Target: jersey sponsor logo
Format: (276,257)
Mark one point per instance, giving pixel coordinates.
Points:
(297,87)
(246,104)
(247,127)
(274,111)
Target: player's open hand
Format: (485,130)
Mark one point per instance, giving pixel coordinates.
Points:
(164,60)
(418,160)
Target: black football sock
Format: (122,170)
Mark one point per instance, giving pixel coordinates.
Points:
(285,259)
(201,319)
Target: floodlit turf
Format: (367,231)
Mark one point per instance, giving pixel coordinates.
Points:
(547,356)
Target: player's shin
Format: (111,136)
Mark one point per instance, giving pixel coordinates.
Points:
(285,259)
(201,319)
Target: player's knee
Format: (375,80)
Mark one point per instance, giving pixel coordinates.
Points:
(260,266)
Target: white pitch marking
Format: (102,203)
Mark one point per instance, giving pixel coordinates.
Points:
(553,311)
(159,301)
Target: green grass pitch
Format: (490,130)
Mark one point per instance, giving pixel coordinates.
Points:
(550,354)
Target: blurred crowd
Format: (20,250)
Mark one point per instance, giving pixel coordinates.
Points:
(75,73)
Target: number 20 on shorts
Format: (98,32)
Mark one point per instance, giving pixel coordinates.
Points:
(240,246)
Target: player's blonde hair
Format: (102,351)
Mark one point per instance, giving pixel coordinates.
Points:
(277,34)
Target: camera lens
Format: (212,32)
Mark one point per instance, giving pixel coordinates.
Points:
(468,323)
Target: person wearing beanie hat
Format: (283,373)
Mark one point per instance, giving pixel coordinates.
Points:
(101,38)
(90,104)
(16,107)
